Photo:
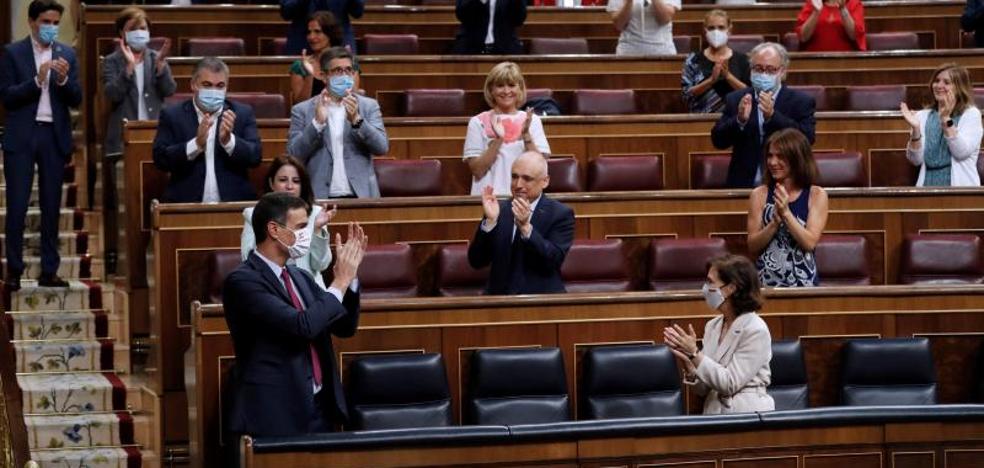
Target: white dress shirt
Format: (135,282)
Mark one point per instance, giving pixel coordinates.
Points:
(43,54)
(490,34)
(211,192)
(486,228)
(340,186)
(138,77)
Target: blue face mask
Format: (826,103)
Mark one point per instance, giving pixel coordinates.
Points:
(211,99)
(764,82)
(339,85)
(47,33)
(137,39)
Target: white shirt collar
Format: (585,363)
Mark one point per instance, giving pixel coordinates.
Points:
(277,269)
(38,46)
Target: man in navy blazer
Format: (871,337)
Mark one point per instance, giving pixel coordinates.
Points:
(38,84)
(752,114)
(475,37)
(207,143)
(525,239)
(286,381)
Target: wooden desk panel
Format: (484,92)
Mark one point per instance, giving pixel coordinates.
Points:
(821,318)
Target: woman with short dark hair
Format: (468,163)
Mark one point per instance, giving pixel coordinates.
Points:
(787,213)
(732,371)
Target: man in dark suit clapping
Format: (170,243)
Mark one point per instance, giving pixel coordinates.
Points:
(207,143)
(286,381)
(752,114)
(524,239)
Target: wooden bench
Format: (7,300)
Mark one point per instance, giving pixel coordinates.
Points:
(185,234)
(678,138)
(822,318)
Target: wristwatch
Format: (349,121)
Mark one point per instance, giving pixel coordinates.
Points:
(358,123)
(949,123)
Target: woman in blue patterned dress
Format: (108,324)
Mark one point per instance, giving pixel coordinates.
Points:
(788,213)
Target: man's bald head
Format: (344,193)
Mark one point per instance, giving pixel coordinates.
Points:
(529,175)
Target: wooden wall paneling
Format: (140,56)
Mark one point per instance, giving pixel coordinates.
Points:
(913,459)
(861,459)
(761,462)
(822,356)
(963,458)
(956,358)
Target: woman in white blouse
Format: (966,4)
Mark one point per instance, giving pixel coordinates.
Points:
(732,371)
(498,136)
(945,139)
(287,174)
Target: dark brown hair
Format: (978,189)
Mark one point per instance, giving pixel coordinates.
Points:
(307,194)
(128,14)
(962,87)
(795,149)
(739,271)
(40,6)
(329,26)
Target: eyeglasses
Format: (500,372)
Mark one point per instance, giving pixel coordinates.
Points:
(765,69)
(341,71)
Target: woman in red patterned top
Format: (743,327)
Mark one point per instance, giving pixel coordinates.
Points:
(831,26)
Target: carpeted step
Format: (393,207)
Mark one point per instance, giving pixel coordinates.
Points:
(78,392)
(99,457)
(70,219)
(74,267)
(69,195)
(63,356)
(80,430)
(58,325)
(69,243)
(80,295)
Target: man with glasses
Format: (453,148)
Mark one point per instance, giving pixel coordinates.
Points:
(752,114)
(524,239)
(337,132)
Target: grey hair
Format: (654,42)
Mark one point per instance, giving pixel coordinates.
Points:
(541,161)
(212,64)
(783,54)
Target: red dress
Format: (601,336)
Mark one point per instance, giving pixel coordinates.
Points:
(829,35)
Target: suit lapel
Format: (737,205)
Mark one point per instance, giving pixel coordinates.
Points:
(258,264)
(542,214)
(301,285)
(724,352)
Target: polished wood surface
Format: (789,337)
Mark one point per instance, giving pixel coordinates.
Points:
(908,444)
(822,318)
(14,450)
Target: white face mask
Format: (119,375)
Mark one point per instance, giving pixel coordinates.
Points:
(712,296)
(301,246)
(717,37)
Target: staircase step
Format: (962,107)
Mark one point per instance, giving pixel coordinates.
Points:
(69,195)
(69,243)
(80,392)
(98,457)
(70,219)
(79,295)
(64,356)
(59,325)
(75,267)
(81,430)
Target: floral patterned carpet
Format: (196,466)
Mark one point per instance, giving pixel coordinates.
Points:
(71,367)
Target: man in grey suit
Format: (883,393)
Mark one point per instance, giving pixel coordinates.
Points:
(337,132)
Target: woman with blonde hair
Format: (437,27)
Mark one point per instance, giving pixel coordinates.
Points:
(945,139)
(498,136)
(787,213)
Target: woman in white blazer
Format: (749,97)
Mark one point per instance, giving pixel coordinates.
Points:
(945,139)
(732,371)
(287,174)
